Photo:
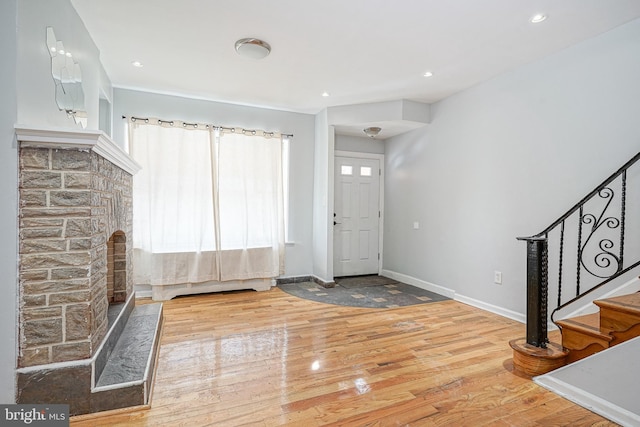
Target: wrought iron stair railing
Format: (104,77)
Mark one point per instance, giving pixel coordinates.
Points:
(585,246)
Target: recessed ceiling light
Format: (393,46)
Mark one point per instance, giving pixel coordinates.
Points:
(325,94)
(137,64)
(535,19)
(428,74)
(253,48)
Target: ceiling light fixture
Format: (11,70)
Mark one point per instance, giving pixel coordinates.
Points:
(428,74)
(372,131)
(137,64)
(253,48)
(535,19)
(325,94)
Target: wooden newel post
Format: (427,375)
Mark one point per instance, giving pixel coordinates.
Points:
(537,284)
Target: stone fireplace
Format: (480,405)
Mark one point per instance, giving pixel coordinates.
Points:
(74,205)
(75,224)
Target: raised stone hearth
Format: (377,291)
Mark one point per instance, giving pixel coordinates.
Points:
(75,223)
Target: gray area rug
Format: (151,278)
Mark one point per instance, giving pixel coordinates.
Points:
(360,281)
(363,291)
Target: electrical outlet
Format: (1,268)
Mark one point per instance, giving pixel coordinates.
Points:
(497,277)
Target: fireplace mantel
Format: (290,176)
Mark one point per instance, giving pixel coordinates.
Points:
(64,138)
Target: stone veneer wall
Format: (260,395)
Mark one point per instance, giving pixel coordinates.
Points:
(71,202)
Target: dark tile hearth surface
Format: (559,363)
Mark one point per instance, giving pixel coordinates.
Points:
(113,311)
(129,359)
(363,291)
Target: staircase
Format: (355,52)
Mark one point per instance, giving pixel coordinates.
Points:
(617,321)
(593,246)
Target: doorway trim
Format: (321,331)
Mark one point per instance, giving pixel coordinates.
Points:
(380,158)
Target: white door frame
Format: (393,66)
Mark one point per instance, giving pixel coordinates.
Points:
(380,158)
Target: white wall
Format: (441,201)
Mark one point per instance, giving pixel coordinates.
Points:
(506,158)
(359,144)
(36,103)
(9,200)
(143,104)
(323,198)
(26,71)
(28,97)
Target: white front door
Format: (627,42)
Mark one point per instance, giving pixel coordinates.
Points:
(357,216)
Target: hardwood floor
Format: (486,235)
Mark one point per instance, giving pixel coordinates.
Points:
(269,358)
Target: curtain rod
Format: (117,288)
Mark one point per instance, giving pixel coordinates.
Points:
(195,126)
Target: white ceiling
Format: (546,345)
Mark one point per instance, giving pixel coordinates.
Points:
(359,51)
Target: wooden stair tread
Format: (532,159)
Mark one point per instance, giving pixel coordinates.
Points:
(588,324)
(626,303)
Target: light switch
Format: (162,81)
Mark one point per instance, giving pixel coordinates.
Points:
(416,225)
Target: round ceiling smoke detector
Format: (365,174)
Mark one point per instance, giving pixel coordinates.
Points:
(372,131)
(253,48)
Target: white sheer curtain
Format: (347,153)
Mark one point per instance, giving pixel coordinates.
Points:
(251,207)
(207,206)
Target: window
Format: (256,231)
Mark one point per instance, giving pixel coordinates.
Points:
(346,170)
(285,184)
(208,205)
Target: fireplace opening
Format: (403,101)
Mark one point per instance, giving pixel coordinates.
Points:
(117,268)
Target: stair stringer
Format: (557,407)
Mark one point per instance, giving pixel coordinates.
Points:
(622,336)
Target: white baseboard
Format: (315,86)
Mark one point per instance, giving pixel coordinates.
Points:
(501,311)
(589,401)
(631,286)
(450,293)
